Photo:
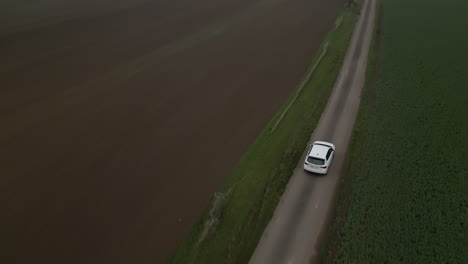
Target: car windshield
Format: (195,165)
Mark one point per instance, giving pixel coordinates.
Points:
(315,161)
(322,145)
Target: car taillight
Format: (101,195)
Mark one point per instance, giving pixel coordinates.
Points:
(323,167)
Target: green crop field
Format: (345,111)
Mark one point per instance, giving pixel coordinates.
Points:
(405,196)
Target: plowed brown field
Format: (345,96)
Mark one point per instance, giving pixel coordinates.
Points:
(117,123)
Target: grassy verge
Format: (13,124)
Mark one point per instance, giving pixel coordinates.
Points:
(229,230)
(405,195)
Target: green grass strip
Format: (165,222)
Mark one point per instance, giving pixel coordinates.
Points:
(229,230)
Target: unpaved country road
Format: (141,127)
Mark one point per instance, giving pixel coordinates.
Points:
(293,234)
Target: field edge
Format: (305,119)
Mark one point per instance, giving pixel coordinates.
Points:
(230,227)
(332,237)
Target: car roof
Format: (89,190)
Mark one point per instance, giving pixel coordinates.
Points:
(318,151)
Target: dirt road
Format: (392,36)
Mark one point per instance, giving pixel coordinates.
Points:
(119,119)
(293,234)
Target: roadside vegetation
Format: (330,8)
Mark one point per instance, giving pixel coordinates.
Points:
(229,230)
(404,198)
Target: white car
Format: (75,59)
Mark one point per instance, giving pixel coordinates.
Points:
(319,157)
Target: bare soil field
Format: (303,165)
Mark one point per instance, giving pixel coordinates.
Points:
(118,123)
